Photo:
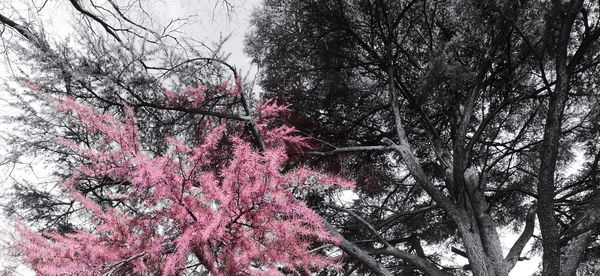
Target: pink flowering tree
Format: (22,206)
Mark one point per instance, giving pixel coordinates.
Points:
(222,203)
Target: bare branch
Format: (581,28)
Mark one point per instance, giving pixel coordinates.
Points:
(358,254)
(114,268)
(364,222)
(106,26)
(515,251)
(350,150)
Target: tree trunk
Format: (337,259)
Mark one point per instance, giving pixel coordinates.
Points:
(487,228)
(566,13)
(580,236)
(478,259)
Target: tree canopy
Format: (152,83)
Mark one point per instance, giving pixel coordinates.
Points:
(455,119)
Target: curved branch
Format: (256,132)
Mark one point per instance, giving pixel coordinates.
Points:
(357,253)
(104,25)
(421,263)
(515,251)
(388,249)
(364,222)
(26,33)
(350,150)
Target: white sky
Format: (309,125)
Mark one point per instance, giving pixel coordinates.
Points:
(211,23)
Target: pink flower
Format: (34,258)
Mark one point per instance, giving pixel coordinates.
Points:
(229,207)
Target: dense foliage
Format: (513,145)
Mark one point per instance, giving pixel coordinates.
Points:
(484,91)
(457,120)
(220,200)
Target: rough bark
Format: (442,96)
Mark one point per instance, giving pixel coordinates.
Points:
(567,13)
(549,152)
(573,253)
(578,239)
(487,228)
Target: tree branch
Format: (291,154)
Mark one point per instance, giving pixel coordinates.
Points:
(357,253)
(110,270)
(107,28)
(413,165)
(419,262)
(350,150)
(364,222)
(515,251)
(25,32)
(389,249)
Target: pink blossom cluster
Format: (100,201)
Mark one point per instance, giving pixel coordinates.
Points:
(220,203)
(192,95)
(196,95)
